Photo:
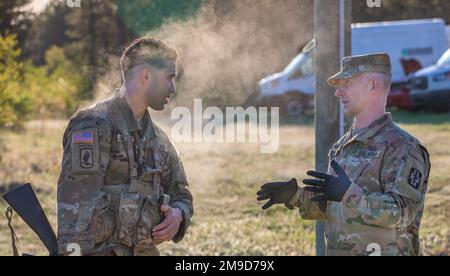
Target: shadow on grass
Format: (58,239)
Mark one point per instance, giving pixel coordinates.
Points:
(420,117)
(6,187)
(399,116)
(304,120)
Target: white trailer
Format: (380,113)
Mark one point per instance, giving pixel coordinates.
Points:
(424,40)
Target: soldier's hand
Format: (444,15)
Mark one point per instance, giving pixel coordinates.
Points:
(277,192)
(328,187)
(168,228)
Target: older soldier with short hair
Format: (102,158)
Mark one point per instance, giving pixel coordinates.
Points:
(372,197)
(122,188)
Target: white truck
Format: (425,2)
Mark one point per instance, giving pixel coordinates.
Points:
(422,40)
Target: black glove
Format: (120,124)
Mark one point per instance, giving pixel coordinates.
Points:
(329,187)
(278,193)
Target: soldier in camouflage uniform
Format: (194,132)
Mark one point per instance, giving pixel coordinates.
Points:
(372,197)
(122,188)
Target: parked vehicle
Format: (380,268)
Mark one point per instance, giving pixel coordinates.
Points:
(400,95)
(430,87)
(447,28)
(293,88)
(416,41)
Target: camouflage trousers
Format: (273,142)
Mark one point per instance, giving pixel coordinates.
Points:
(122,250)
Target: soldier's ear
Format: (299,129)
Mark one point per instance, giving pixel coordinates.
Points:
(372,85)
(145,75)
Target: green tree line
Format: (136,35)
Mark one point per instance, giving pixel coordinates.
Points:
(50,61)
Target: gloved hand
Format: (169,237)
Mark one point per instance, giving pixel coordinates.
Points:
(278,193)
(329,187)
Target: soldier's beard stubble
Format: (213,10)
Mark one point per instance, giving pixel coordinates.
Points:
(156,97)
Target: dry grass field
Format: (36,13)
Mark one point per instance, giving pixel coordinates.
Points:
(224,179)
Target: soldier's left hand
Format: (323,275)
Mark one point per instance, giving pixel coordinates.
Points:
(278,193)
(328,187)
(167,229)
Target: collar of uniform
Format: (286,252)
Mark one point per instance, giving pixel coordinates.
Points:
(130,121)
(147,123)
(367,133)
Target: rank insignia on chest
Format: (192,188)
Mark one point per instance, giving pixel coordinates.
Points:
(368,153)
(119,138)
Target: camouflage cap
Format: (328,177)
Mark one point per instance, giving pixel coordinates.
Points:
(354,65)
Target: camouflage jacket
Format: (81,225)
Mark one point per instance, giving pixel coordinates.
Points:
(96,160)
(382,209)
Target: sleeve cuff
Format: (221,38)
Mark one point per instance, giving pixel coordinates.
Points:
(294,202)
(186,220)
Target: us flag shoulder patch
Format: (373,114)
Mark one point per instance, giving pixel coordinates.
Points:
(414,179)
(83,137)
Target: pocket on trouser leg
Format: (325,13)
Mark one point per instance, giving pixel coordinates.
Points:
(129,212)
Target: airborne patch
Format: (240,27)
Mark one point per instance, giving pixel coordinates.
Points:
(86,158)
(414,179)
(85,151)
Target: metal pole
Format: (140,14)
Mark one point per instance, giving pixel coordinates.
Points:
(341,55)
(331,27)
